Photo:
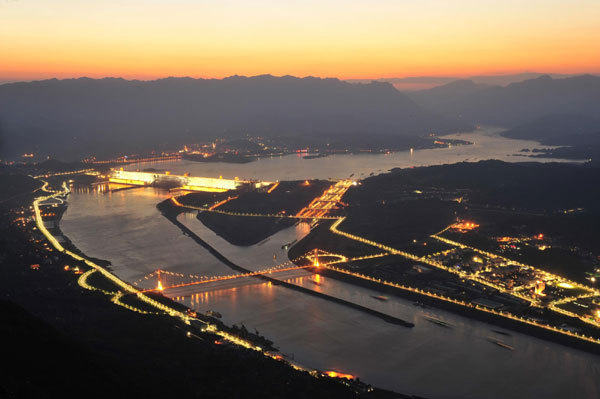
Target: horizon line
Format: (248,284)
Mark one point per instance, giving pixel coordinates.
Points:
(373,79)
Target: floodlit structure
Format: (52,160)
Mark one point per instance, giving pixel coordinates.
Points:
(540,286)
(185,182)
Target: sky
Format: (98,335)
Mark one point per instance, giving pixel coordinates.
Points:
(146,39)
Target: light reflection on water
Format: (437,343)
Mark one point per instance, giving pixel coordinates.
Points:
(428,360)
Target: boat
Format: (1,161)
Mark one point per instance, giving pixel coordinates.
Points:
(500,344)
(501,332)
(420,304)
(437,321)
(380,297)
(314,282)
(289,244)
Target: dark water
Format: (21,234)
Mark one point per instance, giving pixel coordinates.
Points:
(428,360)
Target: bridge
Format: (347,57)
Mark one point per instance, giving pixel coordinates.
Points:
(180,284)
(174,284)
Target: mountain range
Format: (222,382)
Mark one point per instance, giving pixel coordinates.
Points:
(74,117)
(515,104)
(414,83)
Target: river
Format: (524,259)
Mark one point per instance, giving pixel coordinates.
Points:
(487,144)
(428,360)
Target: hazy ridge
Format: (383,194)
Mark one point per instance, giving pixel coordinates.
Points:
(74,117)
(515,104)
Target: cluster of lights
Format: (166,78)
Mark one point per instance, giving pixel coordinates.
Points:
(319,207)
(127,288)
(74,172)
(463,227)
(127,160)
(160,286)
(199,279)
(334,229)
(465,304)
(218,204)
(269,215)
(116,297)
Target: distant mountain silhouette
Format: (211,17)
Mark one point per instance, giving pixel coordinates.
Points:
(413,83)
(516,103)
(443,97)
(561,129)
(73,117)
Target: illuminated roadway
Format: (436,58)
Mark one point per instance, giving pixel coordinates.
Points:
(320,206)
(314,210)
(334,228)
(125,288)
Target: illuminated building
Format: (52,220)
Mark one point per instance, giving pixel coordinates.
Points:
(539,287)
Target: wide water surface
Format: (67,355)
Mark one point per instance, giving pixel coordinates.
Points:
(428,360)
(487,144)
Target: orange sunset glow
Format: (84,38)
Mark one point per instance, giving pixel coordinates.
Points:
(358,39)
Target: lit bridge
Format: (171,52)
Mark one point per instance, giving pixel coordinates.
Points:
(174,284)
(178,284)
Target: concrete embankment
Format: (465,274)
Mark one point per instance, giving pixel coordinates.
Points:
(171,212)
(470,313)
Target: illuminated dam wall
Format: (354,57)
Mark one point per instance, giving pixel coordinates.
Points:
(185,182)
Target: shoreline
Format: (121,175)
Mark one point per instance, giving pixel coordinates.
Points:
(53,311)
(493,320)
(473,314)
(157,296)
(199,326)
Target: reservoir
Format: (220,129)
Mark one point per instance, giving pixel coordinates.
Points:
(429,360)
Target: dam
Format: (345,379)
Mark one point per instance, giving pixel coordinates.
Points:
(183,182)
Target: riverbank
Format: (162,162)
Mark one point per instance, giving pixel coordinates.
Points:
(224,157)
(243,231)
(229,219)
(470,312)
(110,351)
(84,344)
(64,277)
(320,148)
(400,210)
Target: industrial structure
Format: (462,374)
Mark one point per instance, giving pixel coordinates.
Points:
(184,182)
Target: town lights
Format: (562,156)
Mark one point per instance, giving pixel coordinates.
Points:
(539,287)
(566,285)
